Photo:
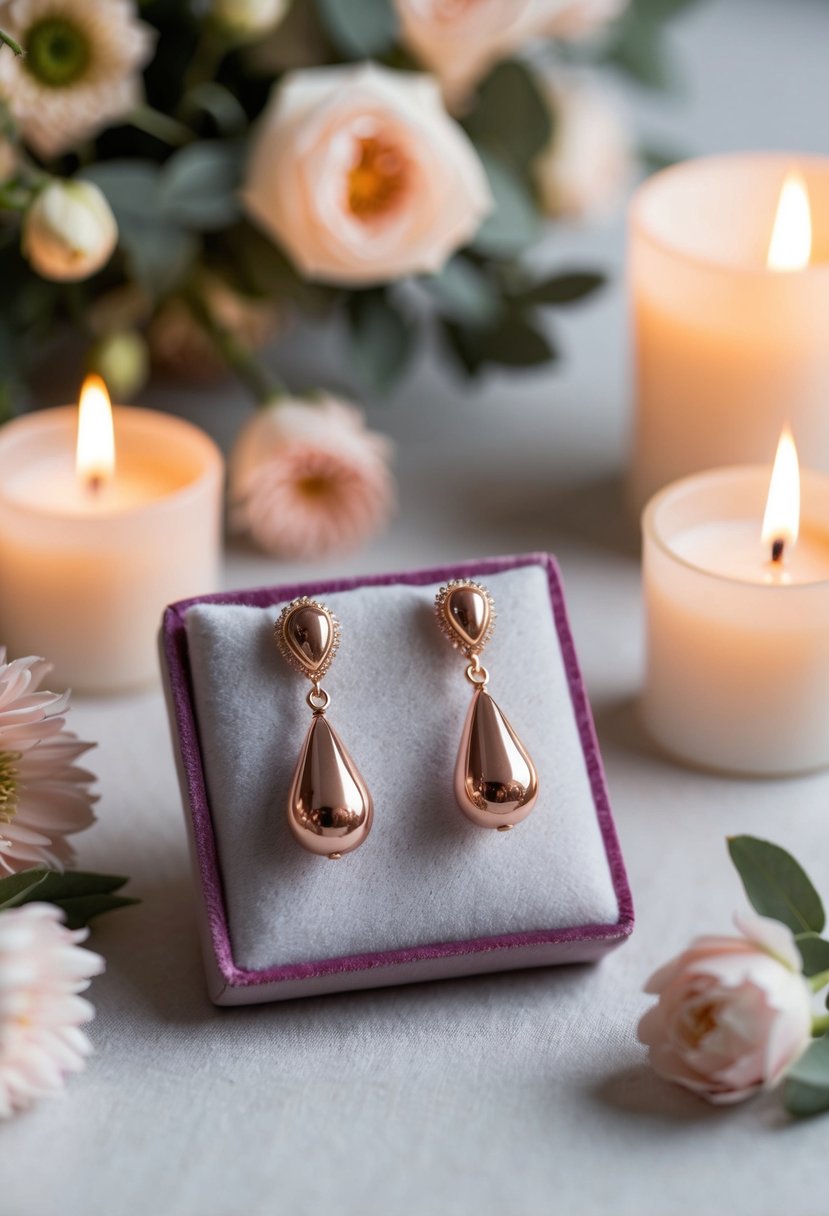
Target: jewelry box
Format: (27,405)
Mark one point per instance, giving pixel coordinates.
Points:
(429,895)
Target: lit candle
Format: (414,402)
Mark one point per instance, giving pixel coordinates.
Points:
(729,277)
(106,516)
(737,613)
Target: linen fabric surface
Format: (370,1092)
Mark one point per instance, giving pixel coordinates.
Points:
(520,1094)
(398,700)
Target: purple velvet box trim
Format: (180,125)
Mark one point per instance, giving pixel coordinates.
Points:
(570,945)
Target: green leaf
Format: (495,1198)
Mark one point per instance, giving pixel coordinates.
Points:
(514,224)
(159,251)
(359,28)
(198,186)
(381,340)
(562,288)
(130,186)
(220,104)
(654,158)
(639,50)
(82,909)
(258,267)
(81,895)
(806,1091)
(516,342)
(160,257)
(511,117)
(660,10)
(15,888)
(814,952)
(465,293)
(776,885)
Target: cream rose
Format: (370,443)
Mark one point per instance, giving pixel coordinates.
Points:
(460,40)
(589,160)
(734,1013)
(69,231)
(363,177)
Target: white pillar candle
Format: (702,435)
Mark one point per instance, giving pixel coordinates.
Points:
(89,561)
(737,674)
(728,347)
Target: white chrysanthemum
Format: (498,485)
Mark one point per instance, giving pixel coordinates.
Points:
(80,72)
(44,793)
(42,971)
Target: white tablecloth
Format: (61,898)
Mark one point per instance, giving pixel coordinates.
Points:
(522,1093)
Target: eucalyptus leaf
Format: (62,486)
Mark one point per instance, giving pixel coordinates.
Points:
(381,341)
(511,116)
(562,288)
(465,293)
(814,952)
(806,1091)
(776,885)
(359,28)
(198,186)
(514,223)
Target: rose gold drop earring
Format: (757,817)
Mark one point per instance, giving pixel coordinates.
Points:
(496,785)
(329,807)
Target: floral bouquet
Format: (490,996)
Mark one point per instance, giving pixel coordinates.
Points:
(177,179)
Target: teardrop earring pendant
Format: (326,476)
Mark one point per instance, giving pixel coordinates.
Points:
(330,809)
(496,784)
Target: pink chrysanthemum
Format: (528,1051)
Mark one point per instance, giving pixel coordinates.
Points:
(42,971)
(81,70)
(307,479)
(44,793)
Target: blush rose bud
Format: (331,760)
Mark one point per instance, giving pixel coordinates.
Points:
(248,18)
(733,1015)
(69,231)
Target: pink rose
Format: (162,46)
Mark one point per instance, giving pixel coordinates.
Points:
(734,1013)
(362,175)
(460,40)
(309,478)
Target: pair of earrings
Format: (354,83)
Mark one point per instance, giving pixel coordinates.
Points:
(330,809)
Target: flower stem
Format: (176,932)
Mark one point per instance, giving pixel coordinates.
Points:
(7,40)
(816,982)
(820,1026)
(160,126)
(257,378)
(207,57)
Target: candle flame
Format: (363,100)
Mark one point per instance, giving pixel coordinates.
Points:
(781,521)
(95,453)
(791,239)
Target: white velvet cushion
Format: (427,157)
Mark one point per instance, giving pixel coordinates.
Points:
(398,699)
